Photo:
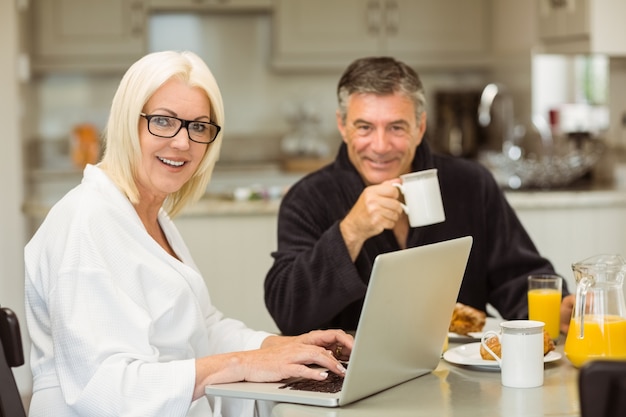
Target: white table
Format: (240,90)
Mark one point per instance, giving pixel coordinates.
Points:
(453,390)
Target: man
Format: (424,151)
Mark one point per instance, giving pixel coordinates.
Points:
(335,221)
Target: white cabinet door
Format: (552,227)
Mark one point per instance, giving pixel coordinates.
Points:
(99,35)
(426,32)
(562,19)
(582,26)
(330,34)
(325,33)
(233,254)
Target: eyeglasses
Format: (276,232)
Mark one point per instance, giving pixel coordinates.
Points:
(169,126)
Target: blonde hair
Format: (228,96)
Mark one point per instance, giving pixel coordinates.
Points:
(122,153)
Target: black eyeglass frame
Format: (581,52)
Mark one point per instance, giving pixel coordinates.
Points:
(183,123)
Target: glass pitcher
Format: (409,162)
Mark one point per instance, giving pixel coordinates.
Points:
(598,326)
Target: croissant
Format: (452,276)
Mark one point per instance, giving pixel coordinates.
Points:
(494,345)
(466,319)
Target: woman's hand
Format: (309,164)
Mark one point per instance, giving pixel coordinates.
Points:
(279,357)
(289,357)
(337,341)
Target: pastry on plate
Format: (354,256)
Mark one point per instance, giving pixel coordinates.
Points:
(494,344)
(548,343)
(466,319)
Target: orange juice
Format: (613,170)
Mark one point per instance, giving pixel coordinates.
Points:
(604,338)
(544,304)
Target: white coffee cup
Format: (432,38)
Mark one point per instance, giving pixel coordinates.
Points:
(422,197)
(522,352)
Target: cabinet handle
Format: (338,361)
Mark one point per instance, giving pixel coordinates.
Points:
(557,4)
(392,17)
(211,2)
(373,17)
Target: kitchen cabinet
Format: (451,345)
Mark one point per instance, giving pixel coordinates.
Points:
(210,5)
(582,26)
(568,227)
(326,34)
(233,252)
(93,35)
(232,242)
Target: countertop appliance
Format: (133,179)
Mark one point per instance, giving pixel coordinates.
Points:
(457,131)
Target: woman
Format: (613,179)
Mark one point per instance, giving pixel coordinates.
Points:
(119,316)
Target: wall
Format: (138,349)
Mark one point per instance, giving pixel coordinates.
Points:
(12,227)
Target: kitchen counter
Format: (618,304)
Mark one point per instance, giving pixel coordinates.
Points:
(566,226)
(266,184)
(219,199)
(586,197)
(583,195)
(216,206)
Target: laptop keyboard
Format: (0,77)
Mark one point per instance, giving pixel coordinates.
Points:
(331,384)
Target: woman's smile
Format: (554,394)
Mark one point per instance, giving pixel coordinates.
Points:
(172,163)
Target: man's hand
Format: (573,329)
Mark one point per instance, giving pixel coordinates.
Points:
(567,306)
(376,209)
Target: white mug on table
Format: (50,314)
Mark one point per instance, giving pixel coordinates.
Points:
(422,197)
(521,362)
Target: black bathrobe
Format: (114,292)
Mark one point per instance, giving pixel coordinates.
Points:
(313,283)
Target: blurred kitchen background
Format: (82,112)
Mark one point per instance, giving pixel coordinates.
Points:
(548,78)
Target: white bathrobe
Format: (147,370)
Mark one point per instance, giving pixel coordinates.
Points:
(115,321)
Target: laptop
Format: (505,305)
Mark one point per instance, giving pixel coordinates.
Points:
(400,335)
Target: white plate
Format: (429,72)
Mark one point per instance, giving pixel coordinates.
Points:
(469,355)
(491,323)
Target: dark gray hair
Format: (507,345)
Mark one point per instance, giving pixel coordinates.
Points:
(380,76)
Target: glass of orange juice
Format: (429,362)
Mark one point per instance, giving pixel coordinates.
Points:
(544,301)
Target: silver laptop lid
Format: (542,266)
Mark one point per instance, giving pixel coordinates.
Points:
(405,317)
(403,325)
